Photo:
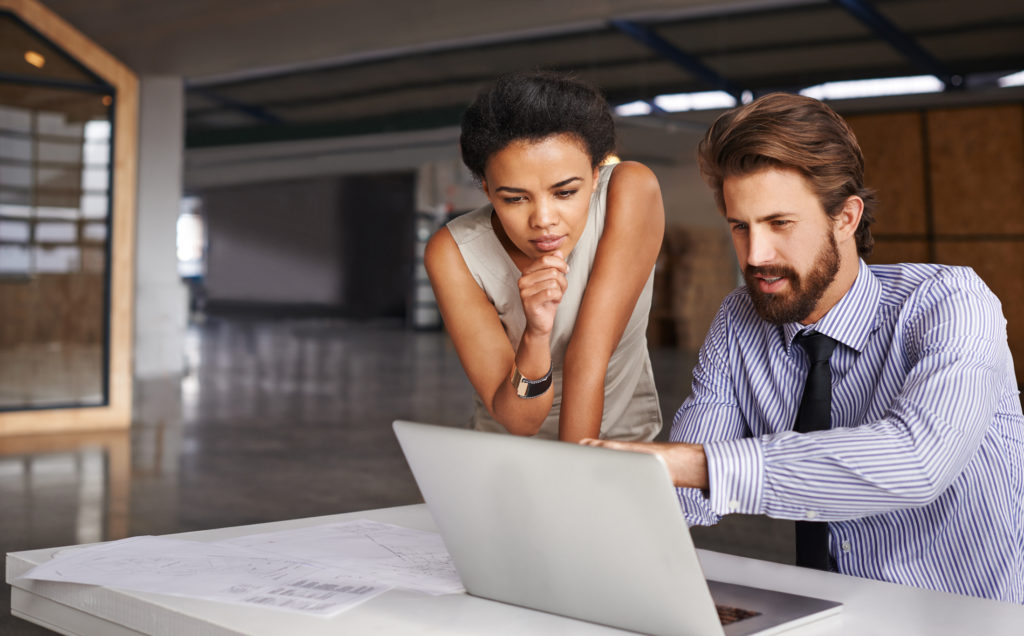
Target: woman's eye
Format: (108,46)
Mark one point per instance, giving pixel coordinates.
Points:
(565,194)
(511,200)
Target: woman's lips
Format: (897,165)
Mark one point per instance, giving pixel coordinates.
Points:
(548,243)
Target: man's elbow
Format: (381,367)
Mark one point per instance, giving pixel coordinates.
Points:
(925,490)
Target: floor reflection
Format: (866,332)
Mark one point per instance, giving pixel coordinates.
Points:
(77,481)
(272,420)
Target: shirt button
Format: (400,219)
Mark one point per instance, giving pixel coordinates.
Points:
(846,546)
(734,504)
(812,514)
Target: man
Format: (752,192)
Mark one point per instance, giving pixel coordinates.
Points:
(917,473)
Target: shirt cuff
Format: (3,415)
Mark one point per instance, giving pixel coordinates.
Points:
(736,476)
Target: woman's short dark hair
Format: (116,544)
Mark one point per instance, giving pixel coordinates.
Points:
(532,106)
(794,132)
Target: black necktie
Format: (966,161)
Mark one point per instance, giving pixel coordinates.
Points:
(814,415)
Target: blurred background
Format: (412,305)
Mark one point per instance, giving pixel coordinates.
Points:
(213,213)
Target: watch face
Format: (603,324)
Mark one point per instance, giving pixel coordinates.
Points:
(530,388)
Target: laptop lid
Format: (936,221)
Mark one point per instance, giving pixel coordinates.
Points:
(579,531)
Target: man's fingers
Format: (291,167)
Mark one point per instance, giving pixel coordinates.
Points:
(636,447)
(607,443)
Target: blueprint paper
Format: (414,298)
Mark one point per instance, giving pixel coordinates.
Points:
(321,570)
(369,551)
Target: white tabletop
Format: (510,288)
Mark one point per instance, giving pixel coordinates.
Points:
(870,607)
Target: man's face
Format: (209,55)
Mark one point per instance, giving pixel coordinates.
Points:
(785,245)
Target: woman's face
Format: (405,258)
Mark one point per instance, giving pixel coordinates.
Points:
(541,194)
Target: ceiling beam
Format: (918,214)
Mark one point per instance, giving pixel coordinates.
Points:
(422,119)
(256,112)
(649,38)
(900,40)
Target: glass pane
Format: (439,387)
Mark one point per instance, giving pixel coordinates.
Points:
(55,149)
(24,53)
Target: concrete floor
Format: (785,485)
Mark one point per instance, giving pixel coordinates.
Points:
(274,420)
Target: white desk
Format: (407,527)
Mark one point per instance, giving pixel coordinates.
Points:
(870,607)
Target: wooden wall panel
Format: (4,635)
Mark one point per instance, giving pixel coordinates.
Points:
(894,166)
(695,270)
(1001,266)
(977,169)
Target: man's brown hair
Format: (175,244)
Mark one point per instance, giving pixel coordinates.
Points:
(781,130)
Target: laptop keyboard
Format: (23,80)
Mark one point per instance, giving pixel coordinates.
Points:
(728,615)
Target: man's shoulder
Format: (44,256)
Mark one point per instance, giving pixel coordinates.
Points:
(900,281)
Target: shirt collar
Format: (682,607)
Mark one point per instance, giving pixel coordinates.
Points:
(853,318)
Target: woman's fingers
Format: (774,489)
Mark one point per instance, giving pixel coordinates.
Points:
(543,280)
(554,260)
(541,287)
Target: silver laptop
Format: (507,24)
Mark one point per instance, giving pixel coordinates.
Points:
(579,531)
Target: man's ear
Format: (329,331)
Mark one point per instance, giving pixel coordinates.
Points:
(848,219)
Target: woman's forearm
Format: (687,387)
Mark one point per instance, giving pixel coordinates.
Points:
(582,395)
(525,415)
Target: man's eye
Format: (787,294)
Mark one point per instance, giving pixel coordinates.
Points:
(739,227)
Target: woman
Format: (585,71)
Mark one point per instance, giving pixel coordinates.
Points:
(546,291)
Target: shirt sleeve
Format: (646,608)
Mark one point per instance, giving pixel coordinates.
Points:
(952,340)
(711,414)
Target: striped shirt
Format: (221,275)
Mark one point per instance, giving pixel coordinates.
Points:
(921,476)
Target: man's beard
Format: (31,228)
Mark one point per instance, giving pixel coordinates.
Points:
(804,294)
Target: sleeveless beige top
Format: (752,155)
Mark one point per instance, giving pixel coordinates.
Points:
(631,410)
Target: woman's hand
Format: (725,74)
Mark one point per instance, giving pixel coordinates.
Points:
(541,286)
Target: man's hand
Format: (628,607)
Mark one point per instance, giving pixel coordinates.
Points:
(687,464)
(540,288)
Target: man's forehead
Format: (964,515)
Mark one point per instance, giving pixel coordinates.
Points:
(768,192)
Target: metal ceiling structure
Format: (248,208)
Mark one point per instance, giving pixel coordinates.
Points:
(737,46)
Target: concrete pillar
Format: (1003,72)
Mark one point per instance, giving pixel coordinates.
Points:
(161,299)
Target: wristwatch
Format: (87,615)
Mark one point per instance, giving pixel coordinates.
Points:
(529,388)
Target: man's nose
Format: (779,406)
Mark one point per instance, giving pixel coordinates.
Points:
(760,249)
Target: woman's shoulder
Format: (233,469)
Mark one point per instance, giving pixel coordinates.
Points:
(633,177)
(467,226)
(634,195)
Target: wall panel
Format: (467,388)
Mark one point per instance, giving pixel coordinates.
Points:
(894,166)
(977,169)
